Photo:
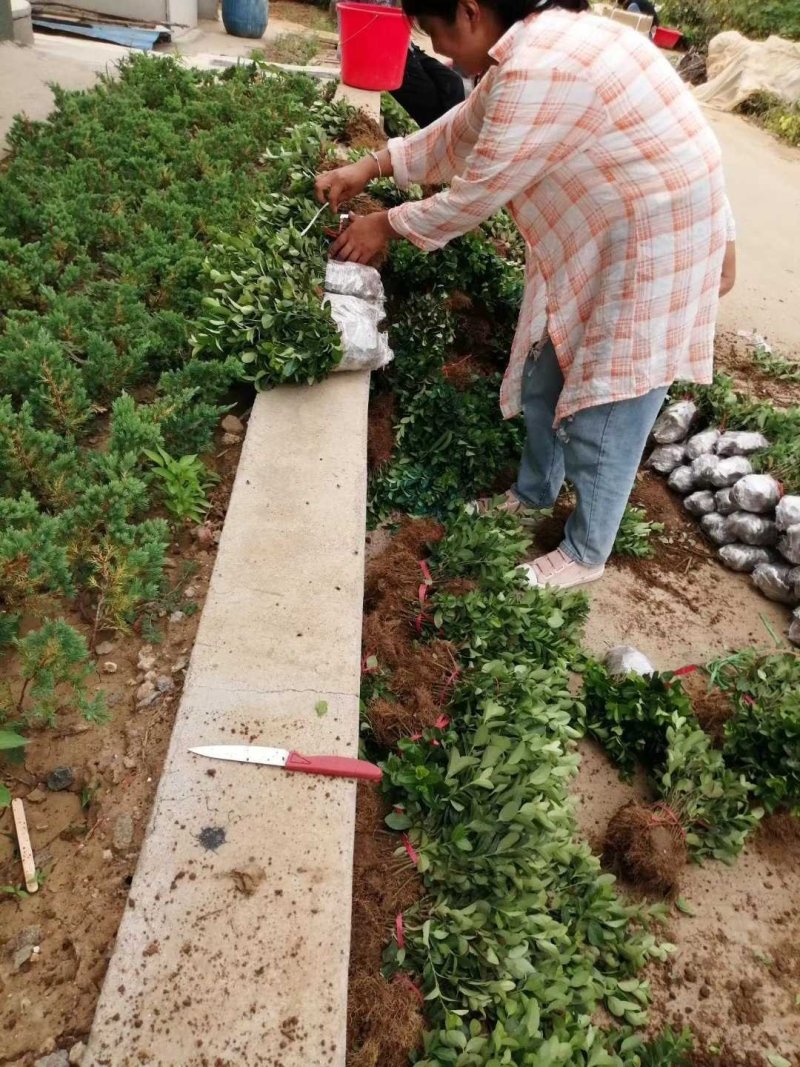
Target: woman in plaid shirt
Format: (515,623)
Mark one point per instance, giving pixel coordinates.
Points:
(584,132)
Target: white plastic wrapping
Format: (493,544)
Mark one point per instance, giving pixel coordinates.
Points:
(753,529)
(702,443)
(794,628)
(625,659)
(672,425)
(723,503)
(729,471)
(681,480)
(353,279)
(711,472)
(700,503)
(787,513)
(702,468)
(757,493)
(789,544)
(355,295)
(666,458)
(740,443)
(364,346)
(745,558)
(715,527)
(774,581)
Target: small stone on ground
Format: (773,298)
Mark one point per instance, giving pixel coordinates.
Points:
(21,956)
(30,936)
(76,1054)
(147,659)
(123,832)
(55,1059)
(60,778)
(230,424)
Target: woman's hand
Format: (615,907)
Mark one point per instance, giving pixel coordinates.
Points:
(340,185)
(366,237)
(728,269)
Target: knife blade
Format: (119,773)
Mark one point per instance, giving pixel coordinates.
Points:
(332,766)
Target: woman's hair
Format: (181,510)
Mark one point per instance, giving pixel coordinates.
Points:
(509,11)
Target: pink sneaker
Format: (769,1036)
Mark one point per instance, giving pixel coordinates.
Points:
(558,571)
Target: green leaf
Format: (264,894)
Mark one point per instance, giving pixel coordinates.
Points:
(532,1017)
(774,1060)
(321,708)
(397,820)
(616,1006)
(683,905)
(11,740)
(5,796)
(540,775)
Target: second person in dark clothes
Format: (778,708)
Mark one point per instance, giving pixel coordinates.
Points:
(429,88)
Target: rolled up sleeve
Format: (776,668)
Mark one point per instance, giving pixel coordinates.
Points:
(730,222)
(434,155)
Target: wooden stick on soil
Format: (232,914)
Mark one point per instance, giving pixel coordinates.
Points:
(25,850)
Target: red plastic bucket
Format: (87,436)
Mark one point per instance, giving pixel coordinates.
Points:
(664,37)
(374,42)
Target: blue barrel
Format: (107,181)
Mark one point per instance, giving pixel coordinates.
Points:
(245,18)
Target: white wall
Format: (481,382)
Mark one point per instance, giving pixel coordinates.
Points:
(181,11)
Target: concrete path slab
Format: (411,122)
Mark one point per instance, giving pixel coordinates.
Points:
(363,99)
(234,946)
(26,74)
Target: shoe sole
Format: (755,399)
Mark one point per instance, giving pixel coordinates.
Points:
(558,585)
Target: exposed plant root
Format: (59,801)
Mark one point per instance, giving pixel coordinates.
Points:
(384,1019)
(361,131)
(393,580)
(385,1022)
(380,430)
(712,707)
(417,535)
(458,586)
(646,846)
(388,640)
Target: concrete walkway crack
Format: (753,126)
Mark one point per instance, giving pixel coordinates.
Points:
(276,692)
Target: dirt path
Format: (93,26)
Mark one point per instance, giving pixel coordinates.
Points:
(733,977)
(681,606)
(763,179)
(735,972)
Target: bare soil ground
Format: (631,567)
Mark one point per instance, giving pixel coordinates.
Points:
(734,977)
(55,945)
(735,973)
(311,15)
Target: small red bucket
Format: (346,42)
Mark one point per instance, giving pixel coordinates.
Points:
(664,37)
(374,42)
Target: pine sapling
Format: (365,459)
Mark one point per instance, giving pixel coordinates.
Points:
(55,670)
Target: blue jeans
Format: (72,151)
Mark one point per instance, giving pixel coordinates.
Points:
(598,449)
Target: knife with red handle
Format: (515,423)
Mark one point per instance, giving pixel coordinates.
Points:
(331,766)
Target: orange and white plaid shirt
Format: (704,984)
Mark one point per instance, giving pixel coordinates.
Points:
(603,158)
